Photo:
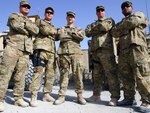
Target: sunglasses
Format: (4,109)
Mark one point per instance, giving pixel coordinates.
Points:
(125,6)
(49,12)
(98,10)
(26,6)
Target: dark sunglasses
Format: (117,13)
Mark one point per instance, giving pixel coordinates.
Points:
(26,6)
(125,6)
(98,10)
(49,12)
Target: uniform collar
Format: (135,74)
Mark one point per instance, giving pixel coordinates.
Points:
(47,21)
(100,19)
(69,26)
(22,15)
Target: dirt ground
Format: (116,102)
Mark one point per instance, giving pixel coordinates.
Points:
(70,105)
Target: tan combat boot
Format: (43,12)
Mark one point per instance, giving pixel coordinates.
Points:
(21,102)
(93,98)
(2,107)
(48,98)
(60,100)
(33,101)
(113,102)
(81,100)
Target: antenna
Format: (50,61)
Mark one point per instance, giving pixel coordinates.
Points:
(38,11)
(147,15)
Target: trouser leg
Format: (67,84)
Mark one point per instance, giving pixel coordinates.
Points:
(19,77)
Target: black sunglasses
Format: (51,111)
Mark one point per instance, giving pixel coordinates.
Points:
(125,6)
(26,6)
(98,10)
(48,12)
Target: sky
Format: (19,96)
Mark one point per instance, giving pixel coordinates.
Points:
(84,9)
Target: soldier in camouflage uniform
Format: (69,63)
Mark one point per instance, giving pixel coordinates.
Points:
(70,57)
(133,55)
(16,54)
(44,50)
(103,57)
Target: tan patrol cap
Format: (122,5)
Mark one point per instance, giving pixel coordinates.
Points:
(71,13)
(24,2)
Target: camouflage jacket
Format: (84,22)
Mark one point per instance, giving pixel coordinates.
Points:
(70,38)
(131,30)
(21,30)
(46,38)
(100,33)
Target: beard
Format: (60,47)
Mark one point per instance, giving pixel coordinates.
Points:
(126,14)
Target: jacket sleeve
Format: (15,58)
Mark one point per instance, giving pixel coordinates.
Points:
(129,23)
(63,34)
(116,30)
(106,25)
(31,27)
(46,29)
(15,24)
(88,30)
(137,19)
(99,27)
(78,34)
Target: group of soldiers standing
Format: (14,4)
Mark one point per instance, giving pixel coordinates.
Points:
(133,60)
(133,66)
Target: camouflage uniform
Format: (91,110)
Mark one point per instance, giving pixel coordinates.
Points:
(44,48)
(16,54)
(70,58)
(103,56)
(133,56)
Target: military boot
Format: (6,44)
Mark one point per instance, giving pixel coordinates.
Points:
(144,107)
(2,107)
(93,98)
(126,102)
(60,100)
(33,101)
(113,102)
(21,102)
(48,98)
(81,100)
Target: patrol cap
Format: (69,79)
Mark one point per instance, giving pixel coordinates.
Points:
(25,2)
(71,13)
(49,8)
(100,8)
(126,4)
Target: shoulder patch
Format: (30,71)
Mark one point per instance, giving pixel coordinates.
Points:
(110,19)
(38,20)
(141,14)
(13,15)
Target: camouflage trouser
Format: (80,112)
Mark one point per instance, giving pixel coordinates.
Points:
(104,62)
(46,66)
(14,62)
(73,62)
(135,60)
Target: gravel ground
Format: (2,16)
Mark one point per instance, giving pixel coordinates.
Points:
(70,105)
